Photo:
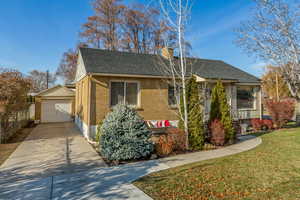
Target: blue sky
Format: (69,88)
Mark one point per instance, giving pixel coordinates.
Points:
(35,33)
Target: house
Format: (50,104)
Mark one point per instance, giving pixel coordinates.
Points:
(56,104)
(105,78)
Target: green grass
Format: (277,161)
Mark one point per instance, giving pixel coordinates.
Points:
(270,171)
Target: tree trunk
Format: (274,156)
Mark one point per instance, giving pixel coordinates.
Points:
(183,70)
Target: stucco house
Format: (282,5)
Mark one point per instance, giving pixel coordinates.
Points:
(105,78)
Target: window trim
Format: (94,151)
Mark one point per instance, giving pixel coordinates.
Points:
(254,108)
(174,106)
(138,106)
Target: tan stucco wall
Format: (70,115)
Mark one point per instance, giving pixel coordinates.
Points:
(153,98)
(82,99)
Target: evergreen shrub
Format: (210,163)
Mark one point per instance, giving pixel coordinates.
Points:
(196,134)
(220,110)
(124,135)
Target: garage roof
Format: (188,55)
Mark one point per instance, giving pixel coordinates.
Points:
(57,91)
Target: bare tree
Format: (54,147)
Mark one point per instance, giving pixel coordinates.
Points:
(92,32)
(102,28)
(163,36)
(14,87)
(108,13)
(40,80)
(177,14)
(273,34)
(132,26)
(68,65)
(144,29)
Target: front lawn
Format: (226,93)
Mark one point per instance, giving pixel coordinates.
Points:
(271,171)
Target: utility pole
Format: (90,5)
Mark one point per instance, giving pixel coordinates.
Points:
(47,77)
(277,86)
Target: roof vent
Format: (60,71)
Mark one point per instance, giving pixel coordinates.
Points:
(167,53)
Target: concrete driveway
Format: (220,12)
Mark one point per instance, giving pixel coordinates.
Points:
(51,149)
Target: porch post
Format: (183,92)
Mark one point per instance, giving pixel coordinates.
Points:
(298,113)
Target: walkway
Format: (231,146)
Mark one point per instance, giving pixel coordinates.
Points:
(114,182)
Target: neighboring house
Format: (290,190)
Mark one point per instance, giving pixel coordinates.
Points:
(105,78)
(56,104)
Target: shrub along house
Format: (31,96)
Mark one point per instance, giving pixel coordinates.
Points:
(105,78)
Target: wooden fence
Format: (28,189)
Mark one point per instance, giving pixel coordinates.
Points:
(10,125)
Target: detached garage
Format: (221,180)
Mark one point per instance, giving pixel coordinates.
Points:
(55,105)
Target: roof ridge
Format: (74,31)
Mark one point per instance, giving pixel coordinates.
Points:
(205,59)
(121,52)
(147,54)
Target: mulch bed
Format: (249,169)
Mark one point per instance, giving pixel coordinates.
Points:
(109,163)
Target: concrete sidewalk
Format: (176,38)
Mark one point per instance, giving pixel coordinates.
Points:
(112,183)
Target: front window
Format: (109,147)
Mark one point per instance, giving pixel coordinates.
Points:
(124,93)
(245,97)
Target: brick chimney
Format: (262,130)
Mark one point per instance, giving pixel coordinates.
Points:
(167,52)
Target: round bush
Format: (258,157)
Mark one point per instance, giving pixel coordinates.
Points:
(124,135)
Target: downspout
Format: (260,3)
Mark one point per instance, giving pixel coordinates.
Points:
(89,104)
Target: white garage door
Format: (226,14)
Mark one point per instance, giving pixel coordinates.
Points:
(56,110)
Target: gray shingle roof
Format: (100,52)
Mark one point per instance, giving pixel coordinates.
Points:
(114,62)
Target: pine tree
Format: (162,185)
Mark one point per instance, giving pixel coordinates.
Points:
(220,110)
(196,129)
(195,118)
